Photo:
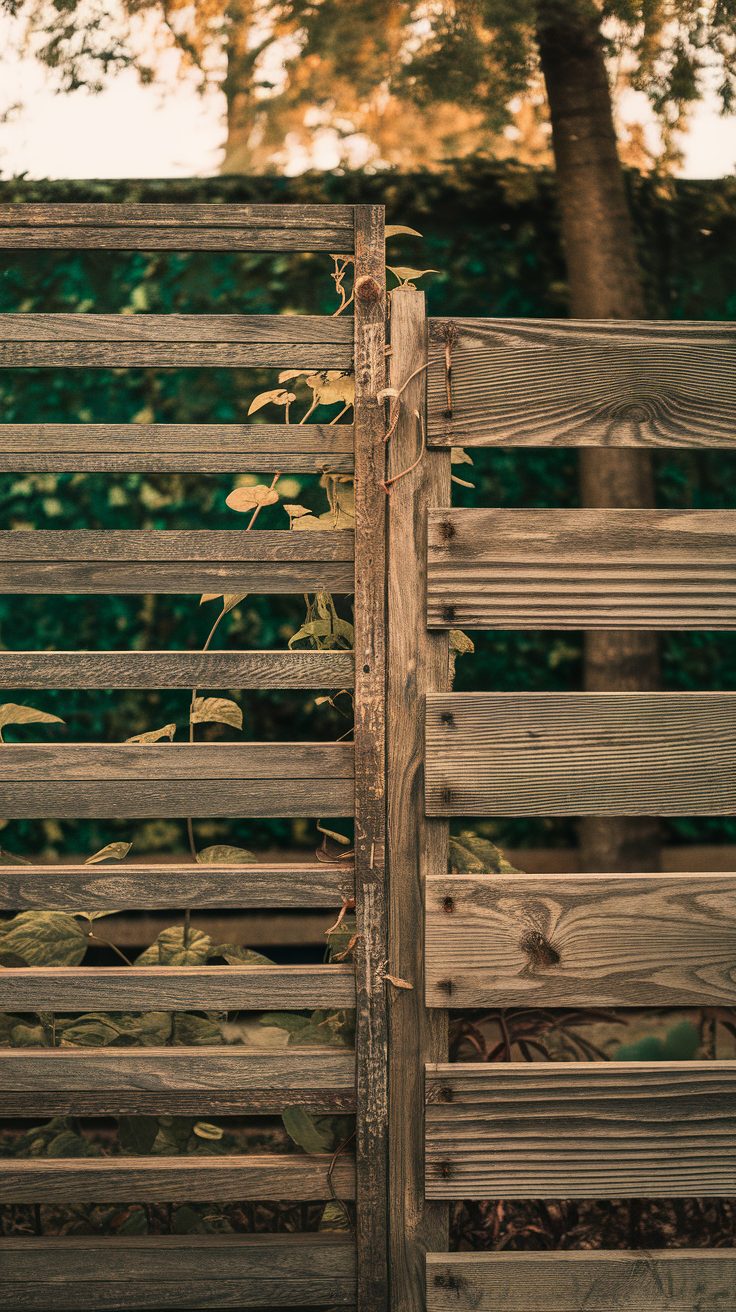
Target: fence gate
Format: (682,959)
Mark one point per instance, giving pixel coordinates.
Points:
(164,780)
(427,1131)
(591,1130)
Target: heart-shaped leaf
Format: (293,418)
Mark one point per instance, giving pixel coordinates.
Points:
(250,498)
(216,710)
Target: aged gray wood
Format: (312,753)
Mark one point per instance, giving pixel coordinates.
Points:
(371,948)
(418,663)
(178,227)
(107,887)
(169,988)
(175,340)
(545,383)
(573,569)
(176,1179)
(174,1081)
(577,941)
(124,780)
(581,753)
(175,560)
(680,1280)
(172,1271)
(176,669)
(581,1130)
(177,448)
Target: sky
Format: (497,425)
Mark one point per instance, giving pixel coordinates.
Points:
(171,130)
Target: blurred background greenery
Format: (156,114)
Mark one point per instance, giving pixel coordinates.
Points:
(491,231)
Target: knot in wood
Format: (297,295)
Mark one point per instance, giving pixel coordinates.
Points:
(539,951)
(448,904)
(367,290)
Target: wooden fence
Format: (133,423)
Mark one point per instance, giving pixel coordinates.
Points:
(264,779)
(464,1131)
(553,1130)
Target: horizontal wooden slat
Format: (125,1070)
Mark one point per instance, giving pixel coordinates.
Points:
(581,1130)
(174,1081)
(577,941)
(546,383)
(126,780)
(590,569)
(175,560)
(124,1274)
(679,1280)
(581,754)
(177,448)
(175,988)
(176,1179)
(307,341)
(152,887)
(178,227)
(176,669)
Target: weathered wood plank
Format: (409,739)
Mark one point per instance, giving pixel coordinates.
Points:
(176,1179)
(175,560)
(572,569)
(371,948)
(176,448)
(178,227)
(175,988)
(418,663)
(581,754)
(125,780)
(663,1281)
(546,383)
(581,1130)
(171,1081)
(576,941)
(172,1271)
(176,669)
(160,887)
(175,341)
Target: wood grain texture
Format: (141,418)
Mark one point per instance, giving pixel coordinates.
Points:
(589,569)
(371,948)
(574,383)
(176,1271)
(107,887)
(174,560)
(306,341)
(581,754)
(581,1130)
(176,448)
(176,669)
(418,663)
(178,227)
(681,1280)
(176,1082)
(572,941)
(125,780)
(176,1179)
(174,988)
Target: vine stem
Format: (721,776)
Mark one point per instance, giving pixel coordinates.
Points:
(190,823)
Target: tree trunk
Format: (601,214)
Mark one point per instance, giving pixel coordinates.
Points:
(605,283)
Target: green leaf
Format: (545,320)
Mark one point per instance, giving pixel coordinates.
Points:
(169,949)
(137,1133)
(69,1144)
(196,1031)
(306,1131)
(44,938)
(188,1222)
(224,855)
(470,854)
(112,852)
(216,710)
(234,955)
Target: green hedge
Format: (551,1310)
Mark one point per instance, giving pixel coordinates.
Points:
(492,233)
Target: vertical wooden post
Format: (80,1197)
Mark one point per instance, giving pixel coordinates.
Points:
(418,847)
(370,760)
